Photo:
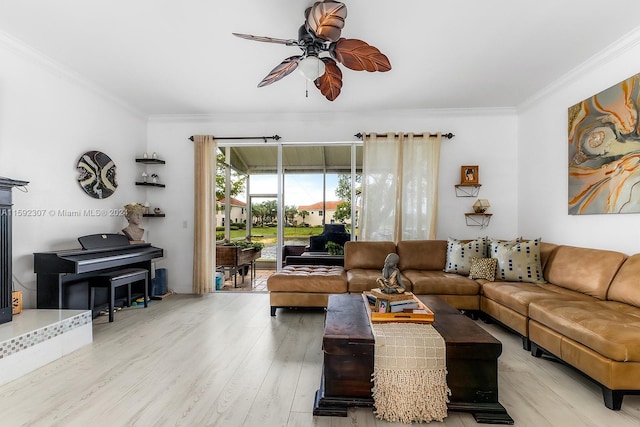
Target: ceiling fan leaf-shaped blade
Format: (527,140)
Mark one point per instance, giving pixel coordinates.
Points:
(330,83)
(283,69)
(360,56)
(288,42)
(325,19)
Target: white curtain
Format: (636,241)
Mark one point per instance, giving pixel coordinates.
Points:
(204,229)
(400,186)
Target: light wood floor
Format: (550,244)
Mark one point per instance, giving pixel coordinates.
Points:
(222,360)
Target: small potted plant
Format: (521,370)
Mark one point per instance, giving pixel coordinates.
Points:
(334,248)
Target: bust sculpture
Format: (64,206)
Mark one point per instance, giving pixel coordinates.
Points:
(391,280)
(133,214)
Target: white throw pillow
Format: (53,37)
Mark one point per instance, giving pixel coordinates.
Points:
(518,261)
(461,252)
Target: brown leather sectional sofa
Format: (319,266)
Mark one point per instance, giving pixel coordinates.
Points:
(587,314)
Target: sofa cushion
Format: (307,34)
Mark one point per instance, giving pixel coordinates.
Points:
(625,286)
(607,327)
(460,252)
(361,279)
(438,282)
(308,278)
(585,270)
(518,295)
(422,254)
(367,255)
(518,261)
(483,268)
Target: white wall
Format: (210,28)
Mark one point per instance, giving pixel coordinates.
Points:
(487,138)
(543,158)
(48,118)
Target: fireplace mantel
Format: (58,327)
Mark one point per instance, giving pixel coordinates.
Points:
(6,185)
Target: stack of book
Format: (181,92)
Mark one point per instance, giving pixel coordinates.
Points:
(392,303)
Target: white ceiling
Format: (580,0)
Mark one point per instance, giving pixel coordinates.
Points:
(179,57)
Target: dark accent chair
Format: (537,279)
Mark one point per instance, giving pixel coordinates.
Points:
(332,233)
(291,250)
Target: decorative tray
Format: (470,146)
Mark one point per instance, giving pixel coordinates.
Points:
(421,314)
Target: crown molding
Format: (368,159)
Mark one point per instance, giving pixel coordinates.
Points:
(243,117)
(50,65)
(615,49)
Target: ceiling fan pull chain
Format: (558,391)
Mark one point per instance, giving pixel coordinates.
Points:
(306,88)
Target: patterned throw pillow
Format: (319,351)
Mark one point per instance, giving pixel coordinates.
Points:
(518,261)
(483,268)
(460,252)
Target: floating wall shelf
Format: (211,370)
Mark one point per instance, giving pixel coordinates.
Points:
(481,220)
(467,190)
(151,161)
(151,184)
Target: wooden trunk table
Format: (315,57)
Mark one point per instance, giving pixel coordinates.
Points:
(348,345)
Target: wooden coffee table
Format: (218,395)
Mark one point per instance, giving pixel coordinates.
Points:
(348,345)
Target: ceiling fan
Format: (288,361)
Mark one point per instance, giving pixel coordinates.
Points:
(322,47)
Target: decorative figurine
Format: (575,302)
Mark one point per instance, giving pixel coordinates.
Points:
(391,280)
(154,155)
(154,177)
(144,177)
(133,214)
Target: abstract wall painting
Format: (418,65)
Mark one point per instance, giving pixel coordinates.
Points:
(97,174)
(604,151)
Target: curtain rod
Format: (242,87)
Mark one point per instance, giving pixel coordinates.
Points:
(264,138)
(449,135)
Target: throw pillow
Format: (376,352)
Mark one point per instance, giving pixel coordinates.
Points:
(518,261)
(483,268)
(460,252)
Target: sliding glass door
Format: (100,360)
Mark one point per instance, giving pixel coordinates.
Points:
(289,192)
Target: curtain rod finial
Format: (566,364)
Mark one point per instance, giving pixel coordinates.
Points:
(358,135)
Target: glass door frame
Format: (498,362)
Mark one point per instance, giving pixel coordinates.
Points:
(279,145)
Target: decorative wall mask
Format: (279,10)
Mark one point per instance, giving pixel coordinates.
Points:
(604,151)
(97,174)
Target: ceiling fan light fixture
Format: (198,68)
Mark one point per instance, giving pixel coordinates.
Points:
(311,68)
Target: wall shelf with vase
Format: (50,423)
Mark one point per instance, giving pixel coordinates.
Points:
(481,220)
(151,161)
(151,184)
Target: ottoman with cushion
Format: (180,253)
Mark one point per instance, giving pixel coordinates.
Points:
(305,286)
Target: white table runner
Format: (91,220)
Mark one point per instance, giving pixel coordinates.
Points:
(410,374)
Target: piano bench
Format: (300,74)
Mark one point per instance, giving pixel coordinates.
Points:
(115,279)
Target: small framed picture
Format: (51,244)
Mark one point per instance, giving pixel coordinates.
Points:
(469,175)
(382,305)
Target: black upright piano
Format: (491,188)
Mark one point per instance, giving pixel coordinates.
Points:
(63,276)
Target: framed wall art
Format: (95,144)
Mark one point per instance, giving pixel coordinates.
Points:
(469,175)
(604,151)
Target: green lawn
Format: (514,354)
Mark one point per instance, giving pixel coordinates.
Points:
(268,233)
